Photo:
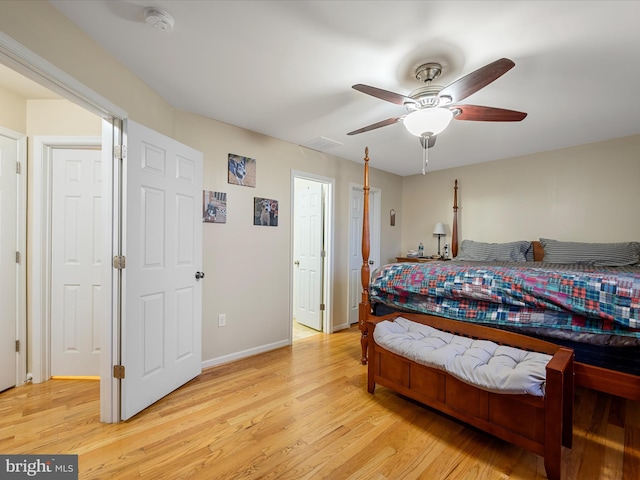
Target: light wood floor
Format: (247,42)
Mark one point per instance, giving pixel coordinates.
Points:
(301,331)
(300,413)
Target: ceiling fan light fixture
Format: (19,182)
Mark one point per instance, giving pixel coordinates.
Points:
(428,121)
(444,100)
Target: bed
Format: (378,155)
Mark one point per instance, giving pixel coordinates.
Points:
(543,289)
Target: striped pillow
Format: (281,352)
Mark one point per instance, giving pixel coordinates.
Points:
(493,252)
(529,253)
(602,254)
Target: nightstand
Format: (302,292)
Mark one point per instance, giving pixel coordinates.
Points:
(421,259)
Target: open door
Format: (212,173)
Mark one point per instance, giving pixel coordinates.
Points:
(308,253)
(8,260)
(161,323)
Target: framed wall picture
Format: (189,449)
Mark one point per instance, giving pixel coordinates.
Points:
(242,170)
(214,207)
(265,212)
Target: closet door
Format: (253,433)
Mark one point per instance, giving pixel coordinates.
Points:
(76,261)
(8,248)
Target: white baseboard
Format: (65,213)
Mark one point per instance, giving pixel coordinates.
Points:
(342,326)
(244,354)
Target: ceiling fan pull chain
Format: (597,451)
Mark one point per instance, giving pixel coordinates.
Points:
(425,153)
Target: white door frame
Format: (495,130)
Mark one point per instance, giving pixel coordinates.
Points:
(329,183)
(16,56)
(21,245)
(40,269)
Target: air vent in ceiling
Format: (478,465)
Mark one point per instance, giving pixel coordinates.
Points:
(321,144)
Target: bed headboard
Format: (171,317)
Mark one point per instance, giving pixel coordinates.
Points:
(538,251)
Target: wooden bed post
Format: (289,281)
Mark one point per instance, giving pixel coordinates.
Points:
(454,227)
(364,309)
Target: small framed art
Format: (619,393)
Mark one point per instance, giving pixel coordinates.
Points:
(214,207)
(265,212)
(242,170)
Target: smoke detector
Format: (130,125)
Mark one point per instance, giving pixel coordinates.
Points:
(158,19)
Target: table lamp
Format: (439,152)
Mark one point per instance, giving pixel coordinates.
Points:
(439,231)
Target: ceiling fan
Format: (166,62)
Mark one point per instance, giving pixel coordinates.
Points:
(432,107)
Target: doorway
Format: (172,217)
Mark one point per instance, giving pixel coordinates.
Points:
(312,200)
(68,236)
(118,137)
(356,198)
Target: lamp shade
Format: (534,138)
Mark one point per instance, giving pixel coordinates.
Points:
(439,229)
(428,121)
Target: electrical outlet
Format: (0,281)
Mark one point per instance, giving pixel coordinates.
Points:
(222,320)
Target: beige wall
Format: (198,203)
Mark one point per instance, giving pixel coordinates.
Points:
(13,111)
(61,118)
(585,193)
(247,267)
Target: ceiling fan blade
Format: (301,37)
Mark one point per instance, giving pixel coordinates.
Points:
(487,114)
(383,94)
(471,83)
(431,142)
(383,123)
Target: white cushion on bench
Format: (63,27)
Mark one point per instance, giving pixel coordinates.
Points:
(484,364)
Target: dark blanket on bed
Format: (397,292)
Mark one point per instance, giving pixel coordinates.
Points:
(619,358)
(578,298)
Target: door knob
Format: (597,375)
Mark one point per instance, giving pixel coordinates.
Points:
(370,262)
(297,263)
(199,275)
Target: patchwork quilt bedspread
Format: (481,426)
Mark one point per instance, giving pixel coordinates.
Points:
(571,298)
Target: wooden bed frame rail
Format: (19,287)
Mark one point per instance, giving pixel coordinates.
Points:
(588,376)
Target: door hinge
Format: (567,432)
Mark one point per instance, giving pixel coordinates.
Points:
(18,257)
(118,371)
(322,307)
(18,168)
(119,152)
(323,253)
(17,346)
(119,262)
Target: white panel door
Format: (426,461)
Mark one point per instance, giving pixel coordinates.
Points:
(8,248)
(356,203)
(76,261)
(355,253)
(307,253)
(162,304)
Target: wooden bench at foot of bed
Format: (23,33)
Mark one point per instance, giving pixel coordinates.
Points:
(541,425)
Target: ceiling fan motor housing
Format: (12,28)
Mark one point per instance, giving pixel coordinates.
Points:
(425,97)
(428,72)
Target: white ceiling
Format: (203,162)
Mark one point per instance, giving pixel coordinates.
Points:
(285,69)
